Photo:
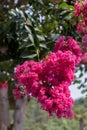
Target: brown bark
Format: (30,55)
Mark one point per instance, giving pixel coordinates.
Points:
(4,109)
(19,114)
(81,125)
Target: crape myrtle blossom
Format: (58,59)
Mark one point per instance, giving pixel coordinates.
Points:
(58,67)
(84,49)
(81,13)
(84,40)
(19,91)
(27,76)
(56,76)
(49,79)
(81,28)
(56,100)
(84,56)
(77,9)
(3,85)
(69,44)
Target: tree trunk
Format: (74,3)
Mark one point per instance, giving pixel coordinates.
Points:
(19,114)
(81,125)
(4,109)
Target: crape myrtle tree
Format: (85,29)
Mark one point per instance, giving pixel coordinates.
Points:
(28,31)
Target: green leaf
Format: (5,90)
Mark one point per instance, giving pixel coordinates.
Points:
(41,38)
(23,45)
(28,29)
(80,75)
(64,5)
(29,56)
(43,45)
(31,38)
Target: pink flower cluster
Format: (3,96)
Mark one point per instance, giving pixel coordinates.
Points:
(84,49)
(27,78)
(58,67)
(77,9)
(84,40)
(49,80)
(56,76)
(69,44)
(84,56)
(3,85)
(57,100)
(81,12)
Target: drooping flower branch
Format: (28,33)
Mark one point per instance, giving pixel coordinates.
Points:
(49,79)
(81,13)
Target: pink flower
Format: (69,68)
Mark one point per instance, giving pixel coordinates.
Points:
(55,100)
(77,9)
(84,57)
(84,40)
(17,94)
(3,85)
(80,28)
(81,12)
(27,75)
(69,44)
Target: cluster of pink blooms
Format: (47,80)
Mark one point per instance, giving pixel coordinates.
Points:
(49,80)
(84,49)
(69,44)
(3,85)
(81,12)
(84,57)
(27,76)
(84,40)
(56,76)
